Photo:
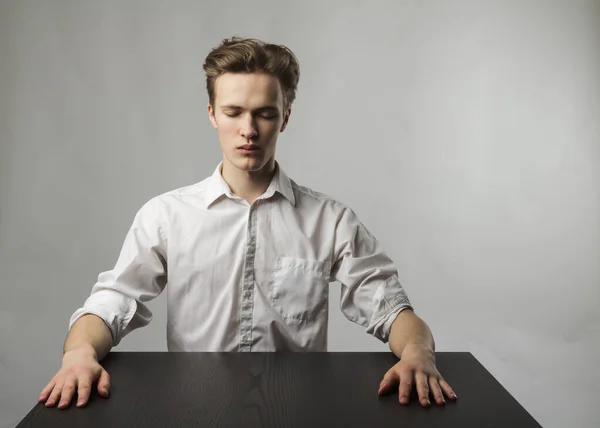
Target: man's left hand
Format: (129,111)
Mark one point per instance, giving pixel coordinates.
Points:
(417,368)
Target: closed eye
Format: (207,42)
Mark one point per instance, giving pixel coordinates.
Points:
(268,116)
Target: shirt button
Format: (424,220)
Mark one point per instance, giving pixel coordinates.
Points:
(246,339)
(251,249)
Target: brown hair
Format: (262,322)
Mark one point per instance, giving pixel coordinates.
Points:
(242,55)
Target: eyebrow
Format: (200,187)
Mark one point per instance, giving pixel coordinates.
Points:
(260,109)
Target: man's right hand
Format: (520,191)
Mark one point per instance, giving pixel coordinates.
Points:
(79,372)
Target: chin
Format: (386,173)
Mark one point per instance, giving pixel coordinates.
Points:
(249,163)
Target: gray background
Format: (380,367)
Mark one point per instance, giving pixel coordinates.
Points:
(465,134)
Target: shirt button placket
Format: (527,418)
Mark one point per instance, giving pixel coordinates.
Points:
(248,286)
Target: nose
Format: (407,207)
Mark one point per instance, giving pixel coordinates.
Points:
(249,130)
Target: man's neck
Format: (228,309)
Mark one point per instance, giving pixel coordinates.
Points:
(248,185)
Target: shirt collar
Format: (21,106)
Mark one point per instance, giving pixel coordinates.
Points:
(217,186)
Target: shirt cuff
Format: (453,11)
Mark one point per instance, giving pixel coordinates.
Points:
(114,308)
(390,299)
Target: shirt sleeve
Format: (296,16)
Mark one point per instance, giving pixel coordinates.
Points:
(139,275)
(372,295)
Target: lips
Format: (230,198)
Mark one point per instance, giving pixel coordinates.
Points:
(248,147)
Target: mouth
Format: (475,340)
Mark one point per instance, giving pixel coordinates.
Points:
(248,148)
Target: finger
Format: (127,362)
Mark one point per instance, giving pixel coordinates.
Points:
(55,394)
(104,384)
(46,391)
(83,391)
(406,385)
(68,391)
(447,389)
(436,390)
(422,389)
(389,381)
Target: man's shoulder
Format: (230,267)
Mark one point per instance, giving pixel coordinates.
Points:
(189,191)
(173,200)
(309,195)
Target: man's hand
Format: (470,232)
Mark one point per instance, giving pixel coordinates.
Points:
(417,367)
(80,370)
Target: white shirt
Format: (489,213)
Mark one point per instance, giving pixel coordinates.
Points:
(247,277)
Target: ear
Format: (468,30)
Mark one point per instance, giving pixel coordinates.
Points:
(286,118)
(211,116)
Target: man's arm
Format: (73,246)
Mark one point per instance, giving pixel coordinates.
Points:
(372,296)
(89,332)
(114,308)
(409,329)
(411,340)
(88,342)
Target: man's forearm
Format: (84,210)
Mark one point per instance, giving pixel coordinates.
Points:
(89,332)
(409,329)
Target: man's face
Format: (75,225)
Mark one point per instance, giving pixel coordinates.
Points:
(248,111)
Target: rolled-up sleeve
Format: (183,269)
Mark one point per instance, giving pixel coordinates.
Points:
(139,275)
(371,295)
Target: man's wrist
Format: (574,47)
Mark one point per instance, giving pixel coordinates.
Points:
(421,347)
(83,349)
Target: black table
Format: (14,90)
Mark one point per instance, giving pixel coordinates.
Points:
(162,389)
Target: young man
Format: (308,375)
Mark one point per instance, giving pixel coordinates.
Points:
(248,253)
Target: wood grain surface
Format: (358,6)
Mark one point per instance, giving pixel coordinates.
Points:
(162,389)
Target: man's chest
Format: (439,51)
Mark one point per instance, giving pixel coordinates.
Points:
(229,254)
